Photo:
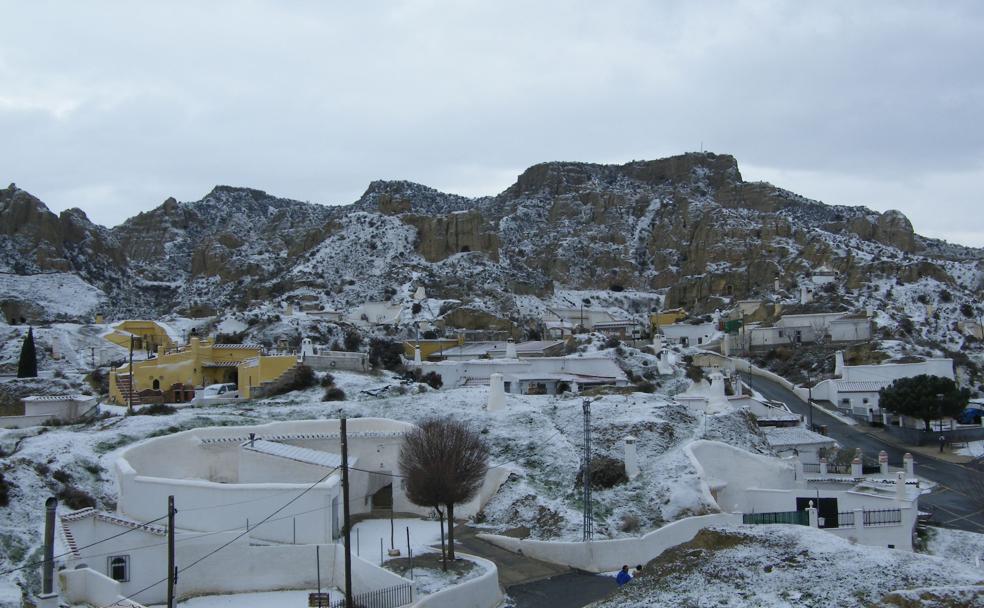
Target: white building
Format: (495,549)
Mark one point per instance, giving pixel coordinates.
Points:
(823,275)
(879,510)
(544,375)
(500,349)
(797,441)
(577,317)
(856,387)
(323,359)
(812,327)
(39,409)
(375,313)
(686,334)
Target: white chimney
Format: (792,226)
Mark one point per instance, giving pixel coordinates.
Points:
(883,463)
(909,464)
(839,364)
(900,487)
(657,342)
(511,349)
(497,393)
(416,355)
(805,296)
(307,348)
(631,458)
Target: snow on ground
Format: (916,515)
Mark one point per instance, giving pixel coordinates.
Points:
(974,449)
(430,577)
(367,534)
(783,566)
(58,294)
(270,599)
(957,545)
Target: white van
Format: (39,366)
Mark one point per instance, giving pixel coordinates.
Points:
(226,391)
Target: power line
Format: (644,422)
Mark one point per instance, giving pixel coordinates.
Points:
(93,544)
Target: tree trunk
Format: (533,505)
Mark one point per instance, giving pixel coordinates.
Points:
(444,553)
(926,422)
(450,507)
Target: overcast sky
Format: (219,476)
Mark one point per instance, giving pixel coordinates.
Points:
(113,107)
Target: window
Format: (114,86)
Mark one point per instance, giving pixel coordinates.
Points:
(119,568)
(865,400)
(157,385)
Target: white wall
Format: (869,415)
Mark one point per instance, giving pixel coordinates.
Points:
(608,555)
(718,462)
(847,330)
(889,372)
(480,592)
(87,586)
(455,373)
(696,335)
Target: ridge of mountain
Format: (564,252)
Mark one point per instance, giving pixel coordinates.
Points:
(687,226)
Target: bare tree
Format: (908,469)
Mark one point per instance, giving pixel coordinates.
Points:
(444,463)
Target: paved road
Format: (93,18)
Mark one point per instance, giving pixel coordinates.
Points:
(952,503)
(535,584)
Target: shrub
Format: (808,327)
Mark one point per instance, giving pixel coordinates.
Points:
(4,491)
(327,380)
(432,379)
(333,393)
(416,308)
(304,378)
(629,523)
(430,334)
(612,342)
(352,341)
(385,353)
(157,409)
(645,387)
(695,373)
(75,498)
(606,472)
(966,310)
(61,475)
(906,325)
(945,296)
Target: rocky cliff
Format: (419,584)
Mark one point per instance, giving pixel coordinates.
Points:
(687,226)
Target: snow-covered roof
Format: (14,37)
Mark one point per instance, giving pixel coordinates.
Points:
(792,436)
(562,377)
(35,398)
(861,386)
(112,518)
(319,458)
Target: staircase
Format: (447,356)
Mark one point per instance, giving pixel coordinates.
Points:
(126,389)
(274,386)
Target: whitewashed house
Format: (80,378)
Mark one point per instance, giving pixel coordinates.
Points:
(823,275)
(375,313)
(539,375)
(577,317)
(809,328)
(878,510)
(686,334)
(322,358)
(39,409)
(855,389)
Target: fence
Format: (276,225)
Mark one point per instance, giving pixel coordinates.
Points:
(884,517)
(838,469)
(845,519)
(811,467)
(801,518)
(390,597)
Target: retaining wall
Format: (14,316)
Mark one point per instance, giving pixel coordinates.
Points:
(608,555)
(480,592)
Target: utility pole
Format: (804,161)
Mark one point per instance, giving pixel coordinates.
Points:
(48,569)
(345,515)
(172,570)
(588,518)
(129,395)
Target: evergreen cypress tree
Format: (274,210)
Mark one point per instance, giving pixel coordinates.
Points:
(27,366)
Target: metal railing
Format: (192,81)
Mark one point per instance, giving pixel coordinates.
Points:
(390,597)
(811,467)
(838,469)
(801,518)
(884,517)
(845,519)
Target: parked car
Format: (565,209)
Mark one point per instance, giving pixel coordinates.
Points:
(222,390)
(971,415)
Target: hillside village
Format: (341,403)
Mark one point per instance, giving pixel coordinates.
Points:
(726,344)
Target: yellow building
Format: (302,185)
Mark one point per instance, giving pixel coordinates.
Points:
(430,347)
(667,317)
(177,372)
(147,335)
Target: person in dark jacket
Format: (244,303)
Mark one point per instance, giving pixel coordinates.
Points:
(623,576)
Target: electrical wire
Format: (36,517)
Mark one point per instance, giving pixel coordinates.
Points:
(93,544)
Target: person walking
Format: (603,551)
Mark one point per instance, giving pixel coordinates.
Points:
(623,576)
(942,442)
